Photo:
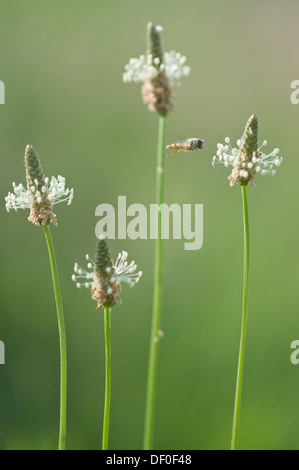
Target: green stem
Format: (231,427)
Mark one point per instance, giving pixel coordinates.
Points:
(62,338)
(156,316)
(236,418)
(106,421)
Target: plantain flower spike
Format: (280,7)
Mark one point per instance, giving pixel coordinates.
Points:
(247,160)
(157,71)
(41,194)
(104,277)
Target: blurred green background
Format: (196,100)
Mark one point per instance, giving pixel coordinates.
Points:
(62,65)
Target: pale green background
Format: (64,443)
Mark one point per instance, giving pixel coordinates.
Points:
(62,65)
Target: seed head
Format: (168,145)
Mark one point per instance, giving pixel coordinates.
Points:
(249,140)
(105,288)
(247,160)
(41,207)
(41,195)
(154,43)
(158,71)
(105,277)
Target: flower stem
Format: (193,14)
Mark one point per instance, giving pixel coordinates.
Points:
(236,418)
(62,339)
(107,322)
(156,316)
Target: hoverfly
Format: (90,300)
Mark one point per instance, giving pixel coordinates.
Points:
(187,145)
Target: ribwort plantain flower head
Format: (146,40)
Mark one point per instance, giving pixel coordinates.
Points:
(41,193)
(247,159)
(104,277)
(158,71)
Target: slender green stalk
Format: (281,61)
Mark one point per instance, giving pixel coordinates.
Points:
(236,418)
(156,316)
(62,338)
(107,321)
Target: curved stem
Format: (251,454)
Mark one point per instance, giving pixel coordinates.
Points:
(62,339)
(156,316)
(107,322)
(236,418)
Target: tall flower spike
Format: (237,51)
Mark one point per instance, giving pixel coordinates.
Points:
(154,44)
(157,71)
(105,277)
(247,160)
(41,194)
